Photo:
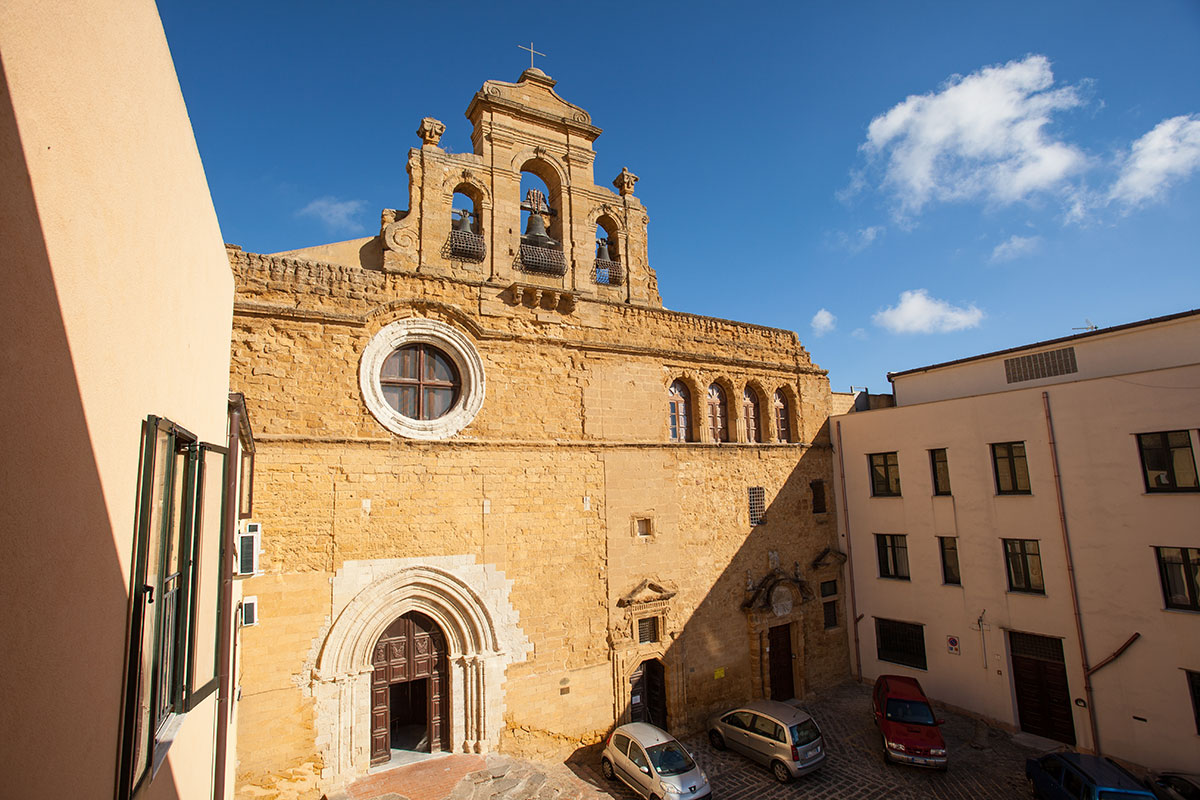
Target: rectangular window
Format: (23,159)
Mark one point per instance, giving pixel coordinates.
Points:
(941,471)
(1012,471)
(829,590)
(647,630)
(1024,561)
(900,642)
(1167,462)
(885,475)
(644,527)
(817,488)
(892,549)
(1194,687)
(758,504)
(949,547)
(176,574)
(1179,571)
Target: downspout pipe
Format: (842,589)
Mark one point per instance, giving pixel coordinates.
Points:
(1066,538)
(238,421)
(854,616)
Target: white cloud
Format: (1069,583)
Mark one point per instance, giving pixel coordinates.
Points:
(823,322)
(859,333)
(861,239)
(1016,247)
(336,214)
(1163,156)
(917,312)
(982,136)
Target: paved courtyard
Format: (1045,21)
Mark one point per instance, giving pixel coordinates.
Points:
(985,764)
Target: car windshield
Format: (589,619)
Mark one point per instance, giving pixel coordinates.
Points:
(669,758)
(805,733)
(911,712)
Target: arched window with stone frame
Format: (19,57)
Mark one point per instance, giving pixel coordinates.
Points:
(718,413)
(783,417)
(752,416)
(678,402)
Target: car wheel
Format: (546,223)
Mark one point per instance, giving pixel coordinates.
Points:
(887,758)
(780,772)
(717,740)
(606,769)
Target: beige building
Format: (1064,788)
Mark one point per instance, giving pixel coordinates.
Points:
(115,635)
(1023,536)
(507,499)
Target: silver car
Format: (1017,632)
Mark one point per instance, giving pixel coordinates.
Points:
(653,764)
(776,734)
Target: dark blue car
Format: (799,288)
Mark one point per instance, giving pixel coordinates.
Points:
(1076,776)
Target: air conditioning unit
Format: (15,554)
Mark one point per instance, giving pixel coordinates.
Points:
(249,611)
(249,546)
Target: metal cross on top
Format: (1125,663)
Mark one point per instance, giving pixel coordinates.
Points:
(532,53)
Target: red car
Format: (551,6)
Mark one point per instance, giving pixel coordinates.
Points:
(910,731)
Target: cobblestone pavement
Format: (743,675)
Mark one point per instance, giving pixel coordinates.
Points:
(985,764)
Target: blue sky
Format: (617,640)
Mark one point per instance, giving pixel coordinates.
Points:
(901,183)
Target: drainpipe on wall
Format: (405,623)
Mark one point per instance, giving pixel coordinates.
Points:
(1062,520)
(855,618)
(237,420)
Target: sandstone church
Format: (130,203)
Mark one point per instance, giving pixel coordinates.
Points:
(507,500)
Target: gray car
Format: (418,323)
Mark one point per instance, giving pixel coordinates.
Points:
(776,734)
(653,764)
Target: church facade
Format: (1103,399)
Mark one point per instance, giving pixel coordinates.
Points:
(507,499)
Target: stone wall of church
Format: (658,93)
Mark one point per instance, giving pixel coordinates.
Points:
(545,486)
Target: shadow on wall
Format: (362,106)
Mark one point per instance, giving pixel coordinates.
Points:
(773,623)
(62,590)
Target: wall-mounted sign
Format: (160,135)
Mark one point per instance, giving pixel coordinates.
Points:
(952,645)
(718,673)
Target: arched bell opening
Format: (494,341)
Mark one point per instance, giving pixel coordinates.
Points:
(607,269)
(466,225)
(541,219)
(410,687)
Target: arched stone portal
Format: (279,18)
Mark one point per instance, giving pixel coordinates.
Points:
(467,602)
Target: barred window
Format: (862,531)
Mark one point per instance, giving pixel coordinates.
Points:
(647,630)
(900,642)
(758,504)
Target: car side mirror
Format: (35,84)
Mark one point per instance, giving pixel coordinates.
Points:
(645,770)
(941,722)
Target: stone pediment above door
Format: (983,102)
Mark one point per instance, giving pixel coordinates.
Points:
(646,592)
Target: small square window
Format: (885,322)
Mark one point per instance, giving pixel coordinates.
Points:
(643,527)
(949,547)
(828,588)
(1167,462)
(892,550)
(941,471)
(831,614)
(647,630)
(1012,470)
(1179,571)
(758,504)
(1024,560)
(885,475)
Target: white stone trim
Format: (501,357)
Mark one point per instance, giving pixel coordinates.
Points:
(451,341)
(468,601)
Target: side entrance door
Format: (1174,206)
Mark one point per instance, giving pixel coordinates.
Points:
(779,640)
(1040,683)
(648,694)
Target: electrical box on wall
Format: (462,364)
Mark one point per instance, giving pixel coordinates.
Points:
(249,547)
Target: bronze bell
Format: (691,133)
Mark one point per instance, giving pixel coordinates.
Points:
(463,223)
(535,232)
(602,250)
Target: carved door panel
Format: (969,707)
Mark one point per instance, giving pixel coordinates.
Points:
(779,639)
(380,702)
(437,728)
(410,649)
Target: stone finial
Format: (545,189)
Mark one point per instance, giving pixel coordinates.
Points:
(430,130)
(625,181)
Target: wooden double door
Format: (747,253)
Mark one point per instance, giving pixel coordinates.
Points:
(409,688)
(1040,683)
(779,642)
(648,694)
